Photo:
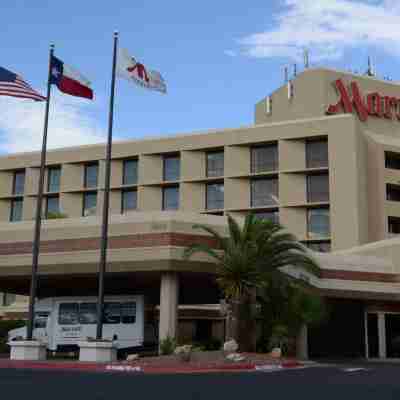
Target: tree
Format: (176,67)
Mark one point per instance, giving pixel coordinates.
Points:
(248,259)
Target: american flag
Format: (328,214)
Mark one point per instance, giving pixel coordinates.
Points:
(13,85)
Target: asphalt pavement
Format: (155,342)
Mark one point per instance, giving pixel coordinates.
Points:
(339,382)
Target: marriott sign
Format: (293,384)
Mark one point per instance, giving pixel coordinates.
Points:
(374,104)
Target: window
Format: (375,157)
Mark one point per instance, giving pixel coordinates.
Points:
(89,204)
(91,172)
(130,172)
(170,198)
(393,192)
(18,183)
(112,313)
(40,320)
(68,314)
(272,216)
(16,210)
(264,158)
(88,313)
(392,160)
(317,188)
(322,247)
(128,313)
(171,168)
(394,225)
(129,200)
(264,192)
(215,196)
(215,164)
(53,179)
(318,222)
(316,153)
(6,299)
(52,206)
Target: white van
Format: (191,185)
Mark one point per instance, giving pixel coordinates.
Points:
(65,321)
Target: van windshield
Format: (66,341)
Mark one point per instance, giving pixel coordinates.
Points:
(41,319)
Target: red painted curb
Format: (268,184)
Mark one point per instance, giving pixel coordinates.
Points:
(102,367)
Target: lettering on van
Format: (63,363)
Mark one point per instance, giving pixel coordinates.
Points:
(374,104)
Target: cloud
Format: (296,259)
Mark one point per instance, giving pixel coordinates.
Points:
(328,28)
(71,123)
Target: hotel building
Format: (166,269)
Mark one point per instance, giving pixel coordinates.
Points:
(322,158)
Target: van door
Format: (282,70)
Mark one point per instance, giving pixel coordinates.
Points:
(68,330)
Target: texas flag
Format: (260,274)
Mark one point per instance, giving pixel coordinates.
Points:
(69,80)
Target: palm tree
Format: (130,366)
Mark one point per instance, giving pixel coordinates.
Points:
(250,257)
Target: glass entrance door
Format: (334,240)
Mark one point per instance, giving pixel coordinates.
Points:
(372,335)
(392,334)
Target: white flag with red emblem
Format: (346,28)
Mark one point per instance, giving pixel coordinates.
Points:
(134,71)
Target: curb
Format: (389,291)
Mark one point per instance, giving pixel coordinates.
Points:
(123,368)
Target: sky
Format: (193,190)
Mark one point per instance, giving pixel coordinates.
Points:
(218,58)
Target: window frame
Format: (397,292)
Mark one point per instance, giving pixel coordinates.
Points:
(56,196)
(309,159)
(12,204)
(14,184)
(310,235)
(124,175)
(83,202)
(208,153)
(164,189)
(85,175)
(123,209)
(206,193)
(252,183)
(309,193)
(254,148)
(49,171)
(169,157)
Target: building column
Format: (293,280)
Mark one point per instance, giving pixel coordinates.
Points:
(168,305)
(302,343)
(382,335)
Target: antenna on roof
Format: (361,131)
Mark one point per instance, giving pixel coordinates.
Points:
(286,74)
(370,70)
(306,59)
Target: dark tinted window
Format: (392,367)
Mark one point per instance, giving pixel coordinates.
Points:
(214,196)
(392,160)
(264,158)
(16,210)
(130,172)
(128,313)
(112,313)
(68,314)
(52,206)
(394,225)
(318,222)
(88,313)
(91,172)
(264,192)
(317,188)
(393,192)
(272,216)
(171,168)
(129,200)
(322,247)
(89,204)
(215,163)
(19,183)
(316,153)
(53,179)
(170,198)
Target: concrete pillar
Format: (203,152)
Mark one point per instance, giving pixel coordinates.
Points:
(168,305)
(302,343)
(382,335)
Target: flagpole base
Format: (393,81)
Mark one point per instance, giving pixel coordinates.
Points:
(97,351)
(31,350)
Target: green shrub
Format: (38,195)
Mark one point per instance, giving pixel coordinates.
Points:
(167,346)
(5,327)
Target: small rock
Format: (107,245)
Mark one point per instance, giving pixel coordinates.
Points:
(231,346)
(132,357)
(276,352)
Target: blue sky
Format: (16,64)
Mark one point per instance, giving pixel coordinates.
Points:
(218,58)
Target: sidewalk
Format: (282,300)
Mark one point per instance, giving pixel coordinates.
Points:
(151,366)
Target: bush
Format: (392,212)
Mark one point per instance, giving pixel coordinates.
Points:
(167,346)
(5,327)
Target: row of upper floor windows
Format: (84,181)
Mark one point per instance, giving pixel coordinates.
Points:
(262,159)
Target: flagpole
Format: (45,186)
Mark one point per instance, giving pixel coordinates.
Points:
(106,201)
(38,219)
